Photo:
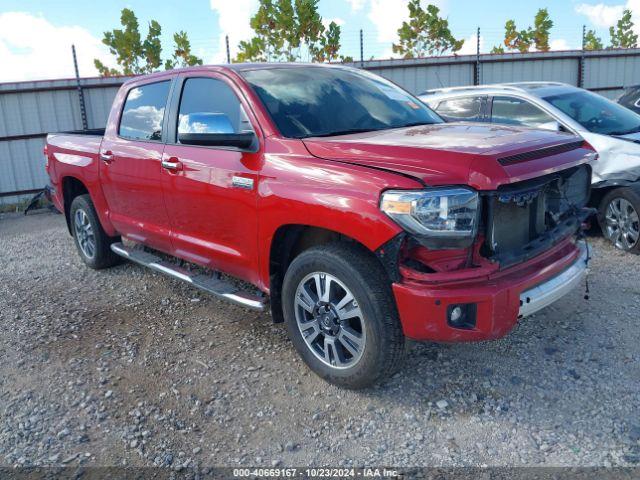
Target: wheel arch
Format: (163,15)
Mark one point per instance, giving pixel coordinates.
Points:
(291,240)
(72,187)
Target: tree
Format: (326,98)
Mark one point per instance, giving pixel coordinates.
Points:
(182,56)
(517,40)
(284,30)
(592,42)
(523,40)
(425,34)
(542,24)
(135,56)
(622,35)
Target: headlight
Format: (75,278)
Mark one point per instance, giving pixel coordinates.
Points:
(438,217)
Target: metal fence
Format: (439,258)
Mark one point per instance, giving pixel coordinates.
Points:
(604,71)
(29,110)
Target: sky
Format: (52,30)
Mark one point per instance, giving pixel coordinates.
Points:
(36,35)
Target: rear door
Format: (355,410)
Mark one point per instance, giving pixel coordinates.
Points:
(130,170)
(211,192)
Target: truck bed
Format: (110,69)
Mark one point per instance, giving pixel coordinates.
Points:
(73,155)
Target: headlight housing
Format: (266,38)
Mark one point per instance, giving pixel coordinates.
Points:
(441,218)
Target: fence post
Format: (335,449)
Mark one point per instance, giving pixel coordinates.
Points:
(83,109)
(361,50)
(226,39)
(581,60)
(476,76)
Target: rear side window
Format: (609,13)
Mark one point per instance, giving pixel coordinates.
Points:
(143,112)
(208,105)
(514,111)
(466,109)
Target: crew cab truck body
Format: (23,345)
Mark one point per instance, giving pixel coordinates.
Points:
(342,199)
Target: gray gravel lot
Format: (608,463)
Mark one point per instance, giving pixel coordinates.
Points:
(126,367)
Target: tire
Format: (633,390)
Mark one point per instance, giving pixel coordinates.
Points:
(351,345)
(618,216)
(93,244)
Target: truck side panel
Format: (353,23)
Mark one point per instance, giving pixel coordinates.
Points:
(77,157)
(296,189)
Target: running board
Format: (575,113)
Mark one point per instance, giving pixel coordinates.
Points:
(209,284)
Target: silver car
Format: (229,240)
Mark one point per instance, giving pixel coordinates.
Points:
(613,130)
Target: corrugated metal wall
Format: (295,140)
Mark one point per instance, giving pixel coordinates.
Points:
(29,110)
(605,72)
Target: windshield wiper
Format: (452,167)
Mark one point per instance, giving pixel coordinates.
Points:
(363,130)
(626,132)
(415,124)
(343,132)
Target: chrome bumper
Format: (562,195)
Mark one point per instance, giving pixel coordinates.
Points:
(543,294)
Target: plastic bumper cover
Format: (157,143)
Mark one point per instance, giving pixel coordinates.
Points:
(501,298)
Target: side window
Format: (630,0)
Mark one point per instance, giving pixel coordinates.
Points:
(514,111)
(144,111)
(465,109)
(209,105)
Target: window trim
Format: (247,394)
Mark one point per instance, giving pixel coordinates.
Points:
(171,127)
(171,81)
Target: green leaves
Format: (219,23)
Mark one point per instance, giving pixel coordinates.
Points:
(182,56)
(135,56)
(542,24)
(523,40)
(591,41)
(622,35)
(425,34)
(285,30)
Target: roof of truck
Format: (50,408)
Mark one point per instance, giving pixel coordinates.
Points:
(237,67)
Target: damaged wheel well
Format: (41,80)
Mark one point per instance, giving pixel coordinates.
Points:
(290,241)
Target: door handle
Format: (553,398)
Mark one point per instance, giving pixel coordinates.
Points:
(106,157)
(172,164)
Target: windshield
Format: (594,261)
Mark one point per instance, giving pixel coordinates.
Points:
(321,101)
(596,113)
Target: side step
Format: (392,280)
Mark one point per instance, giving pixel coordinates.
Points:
(207,283)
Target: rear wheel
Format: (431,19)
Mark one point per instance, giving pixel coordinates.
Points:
(93,244)
(341,316)
(619,220)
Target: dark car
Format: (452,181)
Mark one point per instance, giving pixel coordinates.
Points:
(631,98)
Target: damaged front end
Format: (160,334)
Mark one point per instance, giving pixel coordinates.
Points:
(527,218)
(514,224)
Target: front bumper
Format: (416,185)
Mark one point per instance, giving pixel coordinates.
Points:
(501,298)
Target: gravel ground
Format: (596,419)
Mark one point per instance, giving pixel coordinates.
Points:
(126,367)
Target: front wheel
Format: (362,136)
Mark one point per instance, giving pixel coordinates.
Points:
(618,218)
(341,316)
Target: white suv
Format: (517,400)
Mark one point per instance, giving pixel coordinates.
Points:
(613,130)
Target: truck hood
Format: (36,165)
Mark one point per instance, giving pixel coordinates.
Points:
(480,155)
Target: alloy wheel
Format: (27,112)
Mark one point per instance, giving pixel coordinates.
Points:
(84,233)
(330,320)
(622,225)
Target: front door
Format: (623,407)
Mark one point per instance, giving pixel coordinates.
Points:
(211,192)
(130,167)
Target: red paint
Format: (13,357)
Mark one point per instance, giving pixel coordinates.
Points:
(198,214)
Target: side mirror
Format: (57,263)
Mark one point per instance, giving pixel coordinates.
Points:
(212,129)
(553,125)
(238,140)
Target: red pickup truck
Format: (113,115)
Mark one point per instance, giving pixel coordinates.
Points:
(340,200)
